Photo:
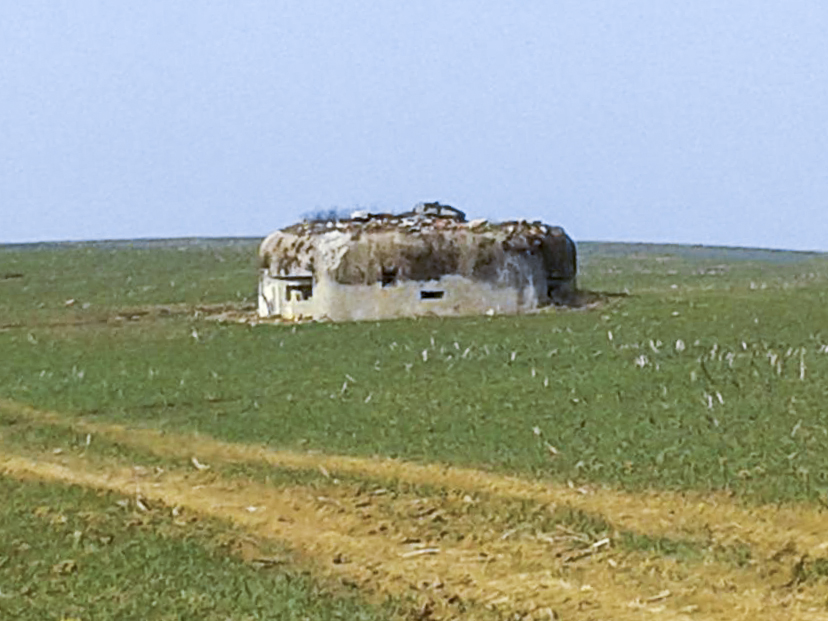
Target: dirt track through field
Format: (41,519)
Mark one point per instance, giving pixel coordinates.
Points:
(428,545)
(717,518)
(455,579)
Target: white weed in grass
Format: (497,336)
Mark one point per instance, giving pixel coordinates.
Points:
(198,465)
(796,428)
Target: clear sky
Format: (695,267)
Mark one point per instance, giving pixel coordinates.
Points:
(643,120)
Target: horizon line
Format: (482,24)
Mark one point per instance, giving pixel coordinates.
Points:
(196,238)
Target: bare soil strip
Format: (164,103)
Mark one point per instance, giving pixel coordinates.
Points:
(112,317)
(346,534)
(769,530)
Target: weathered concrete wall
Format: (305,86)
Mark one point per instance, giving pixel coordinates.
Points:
(447,296)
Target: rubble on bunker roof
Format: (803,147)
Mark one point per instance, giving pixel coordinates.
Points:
(423,219)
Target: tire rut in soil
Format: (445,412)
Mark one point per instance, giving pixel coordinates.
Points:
(714,517)
(388,544)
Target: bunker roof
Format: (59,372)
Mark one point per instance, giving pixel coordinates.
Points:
(424,218)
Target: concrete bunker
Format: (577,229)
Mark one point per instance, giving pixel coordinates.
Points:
(429,261)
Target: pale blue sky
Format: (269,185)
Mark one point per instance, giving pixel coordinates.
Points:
(694,122)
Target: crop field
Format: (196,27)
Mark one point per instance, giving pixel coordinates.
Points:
(660,454)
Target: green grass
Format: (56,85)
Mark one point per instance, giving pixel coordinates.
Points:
(102,276)
(630,411)
(36,437)
(711,375)
(72,553)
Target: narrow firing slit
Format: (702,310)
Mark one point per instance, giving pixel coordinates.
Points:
(431,295)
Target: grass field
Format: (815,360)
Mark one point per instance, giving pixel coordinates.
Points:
(664,453)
